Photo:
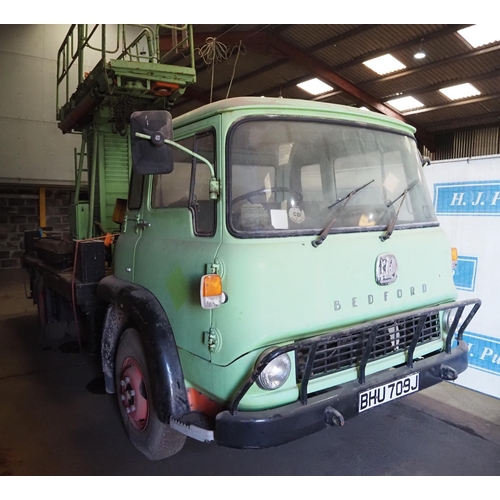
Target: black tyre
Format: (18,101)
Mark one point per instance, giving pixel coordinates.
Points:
(151,437)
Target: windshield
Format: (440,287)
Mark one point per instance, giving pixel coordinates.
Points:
(296,177)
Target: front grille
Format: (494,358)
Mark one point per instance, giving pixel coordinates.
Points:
(346,350)
(357,345)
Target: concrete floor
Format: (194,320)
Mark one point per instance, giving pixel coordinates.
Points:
(55,422)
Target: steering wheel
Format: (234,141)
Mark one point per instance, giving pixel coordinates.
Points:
(298,196)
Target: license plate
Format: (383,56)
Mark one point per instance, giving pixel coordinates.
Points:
(388,392)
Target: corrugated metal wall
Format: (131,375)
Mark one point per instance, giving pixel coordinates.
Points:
(465,144)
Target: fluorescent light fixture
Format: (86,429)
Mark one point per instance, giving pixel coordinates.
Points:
(384,64)
(481,34)
(314,86)
(420,54)
(405,103)
(460,91)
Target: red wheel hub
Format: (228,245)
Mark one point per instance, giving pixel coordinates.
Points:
(133,393)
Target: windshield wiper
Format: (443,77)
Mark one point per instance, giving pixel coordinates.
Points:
(402,194)
(326,231)
(390,227)
(354,191)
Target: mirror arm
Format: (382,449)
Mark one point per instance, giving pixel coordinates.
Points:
(214,183)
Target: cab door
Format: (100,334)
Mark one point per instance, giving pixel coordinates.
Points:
(131,230)
(180,238)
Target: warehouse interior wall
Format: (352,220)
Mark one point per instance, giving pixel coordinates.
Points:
(32,148)
(36,159)
(466,144)
(20,209)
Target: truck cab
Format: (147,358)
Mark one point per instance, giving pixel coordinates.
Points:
(282,271)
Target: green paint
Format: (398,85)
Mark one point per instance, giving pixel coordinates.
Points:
(178,286)
(280,287)
(278,170)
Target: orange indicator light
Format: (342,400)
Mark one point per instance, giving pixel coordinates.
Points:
(454,258)
(211,285)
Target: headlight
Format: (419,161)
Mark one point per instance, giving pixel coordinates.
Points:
(275,373)
(449,317)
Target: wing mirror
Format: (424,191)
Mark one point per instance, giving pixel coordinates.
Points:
(425,161)
(150,153)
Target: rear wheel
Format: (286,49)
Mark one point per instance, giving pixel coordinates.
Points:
(155,439)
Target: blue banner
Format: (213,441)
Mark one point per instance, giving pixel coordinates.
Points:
(484,352)
(464,274)
(467,198)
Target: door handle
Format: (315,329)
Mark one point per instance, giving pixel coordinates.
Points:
(141,224)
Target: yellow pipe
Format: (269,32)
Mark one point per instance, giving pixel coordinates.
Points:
(41,211)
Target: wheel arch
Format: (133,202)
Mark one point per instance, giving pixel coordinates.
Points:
(134,305)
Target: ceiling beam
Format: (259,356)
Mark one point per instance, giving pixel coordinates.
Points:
(424,90)
(328,76)
(472,100)
(266,41)
(362,28)
(359,60)
(192,93)
(492,115)
(435,64)
(252,74)
(425,67)
(452,28)
(432,88)
(258,42)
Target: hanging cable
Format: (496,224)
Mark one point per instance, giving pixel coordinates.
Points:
(213,52)
(255,32)
(235,63)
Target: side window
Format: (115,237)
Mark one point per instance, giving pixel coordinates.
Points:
(187,186)
(172,190)
(203,206)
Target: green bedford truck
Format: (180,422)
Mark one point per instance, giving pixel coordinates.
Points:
(280,269)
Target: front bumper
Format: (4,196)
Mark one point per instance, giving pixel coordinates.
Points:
(267,428)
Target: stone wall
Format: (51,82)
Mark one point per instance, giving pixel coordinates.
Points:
(19,212)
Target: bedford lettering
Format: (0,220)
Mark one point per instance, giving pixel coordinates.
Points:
(386,297)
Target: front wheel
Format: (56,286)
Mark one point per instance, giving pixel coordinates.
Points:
(155,439)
